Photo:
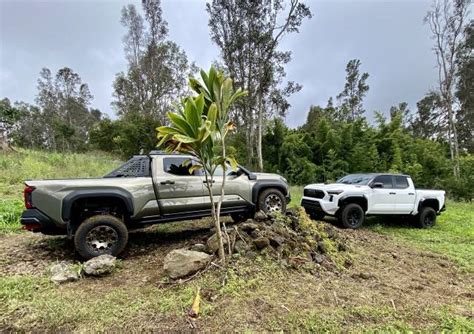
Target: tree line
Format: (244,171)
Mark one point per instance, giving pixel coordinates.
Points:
(433,143)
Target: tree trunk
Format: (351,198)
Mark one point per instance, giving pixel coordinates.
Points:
(216,218)
(259,133)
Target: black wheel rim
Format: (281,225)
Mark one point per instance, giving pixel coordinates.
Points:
(429,219)
(353,217)
(101,239)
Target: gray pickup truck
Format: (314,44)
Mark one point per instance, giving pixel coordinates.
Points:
(146,190)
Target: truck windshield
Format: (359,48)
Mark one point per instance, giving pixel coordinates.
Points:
(362,179)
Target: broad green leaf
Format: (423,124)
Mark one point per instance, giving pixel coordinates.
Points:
(182,124)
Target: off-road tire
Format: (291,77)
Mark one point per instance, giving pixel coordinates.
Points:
(272,195)
(426,217)
(111,229)
(351,216)
(317,215)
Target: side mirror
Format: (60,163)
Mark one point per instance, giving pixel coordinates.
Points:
(377,185)
(252,176)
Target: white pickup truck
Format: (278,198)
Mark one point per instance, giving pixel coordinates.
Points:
(355,196)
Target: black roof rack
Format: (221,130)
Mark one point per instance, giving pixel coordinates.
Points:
(158,152)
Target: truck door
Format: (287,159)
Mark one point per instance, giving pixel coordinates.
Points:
(237,191)
(405,195)
(382,199)
(178,191)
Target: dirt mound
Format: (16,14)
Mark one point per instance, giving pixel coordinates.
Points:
(294,239)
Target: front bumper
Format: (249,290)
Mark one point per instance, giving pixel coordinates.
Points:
(313,204)
(35,221)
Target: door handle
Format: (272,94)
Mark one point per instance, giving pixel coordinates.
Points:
(392,193)
(213,181)
(411,193)
(167,182)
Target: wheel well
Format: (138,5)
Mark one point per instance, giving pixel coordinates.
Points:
(85,207)
(263,188)
(430,202)
(362,201)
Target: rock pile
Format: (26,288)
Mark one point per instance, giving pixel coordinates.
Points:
(293,238)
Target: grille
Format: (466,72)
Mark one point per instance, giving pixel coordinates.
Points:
(313,193)
(137,166)
(313,205)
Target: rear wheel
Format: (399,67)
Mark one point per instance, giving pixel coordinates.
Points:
(272,200)
(352,216)
(101,234)
(427,217)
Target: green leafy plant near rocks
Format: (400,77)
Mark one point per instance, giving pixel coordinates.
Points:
(199,127)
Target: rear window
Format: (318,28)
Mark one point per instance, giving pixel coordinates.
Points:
(401,182)
(178,166)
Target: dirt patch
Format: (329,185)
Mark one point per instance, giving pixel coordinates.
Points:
(388,284)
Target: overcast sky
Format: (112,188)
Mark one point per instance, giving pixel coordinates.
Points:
(387,36)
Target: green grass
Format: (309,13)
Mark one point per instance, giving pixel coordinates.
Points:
(453,235)
(16,167)
(296,194)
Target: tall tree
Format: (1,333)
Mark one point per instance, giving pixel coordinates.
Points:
(64,102)
(465,90)
(351,98)
(248,33)
(424,123)
(157,68)
(447,20)
(9,115)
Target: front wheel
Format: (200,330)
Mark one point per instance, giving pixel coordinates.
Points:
(101,234)
(352,216)
(272,200)
(427,217)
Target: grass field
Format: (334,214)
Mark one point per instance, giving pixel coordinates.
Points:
(420,280)
(16,167)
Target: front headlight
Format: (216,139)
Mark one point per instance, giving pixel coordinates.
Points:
(335,192)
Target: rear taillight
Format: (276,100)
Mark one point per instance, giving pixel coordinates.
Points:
(27,195)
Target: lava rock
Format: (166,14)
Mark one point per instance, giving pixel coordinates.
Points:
(100,265)
(318,258)
(199,248)
(260,216)
(276,240)
(213,244)
(261,242)
(182,262)
(248,226)
(63,272)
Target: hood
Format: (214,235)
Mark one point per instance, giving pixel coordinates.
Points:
(269,176)
(336,186)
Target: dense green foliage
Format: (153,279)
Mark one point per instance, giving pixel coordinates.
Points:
(324,149)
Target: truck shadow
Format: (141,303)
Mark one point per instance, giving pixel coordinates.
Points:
(377,221)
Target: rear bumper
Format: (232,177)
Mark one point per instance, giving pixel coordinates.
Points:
(35,221)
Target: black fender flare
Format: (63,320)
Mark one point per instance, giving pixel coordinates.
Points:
(68,201)
(420,203)
(346,197)
(264,184)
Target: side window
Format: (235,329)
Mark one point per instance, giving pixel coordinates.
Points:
(175,166)
(401,182)
(220,172)
(386,180)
